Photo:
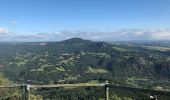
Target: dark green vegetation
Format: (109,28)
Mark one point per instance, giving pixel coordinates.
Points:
(142,65)
(96,93)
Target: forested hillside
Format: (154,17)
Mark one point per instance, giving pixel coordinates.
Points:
(78,60)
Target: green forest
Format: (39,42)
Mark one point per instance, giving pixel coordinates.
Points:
(136,65)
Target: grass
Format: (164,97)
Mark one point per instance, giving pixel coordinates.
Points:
(159,48)
(45,66)
(134,81)
(38,70)
(7,92)
(119,49)
(20,63)
(61,69)
(93,82)
(3,80)
(96,70)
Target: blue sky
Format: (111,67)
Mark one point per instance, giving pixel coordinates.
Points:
(71,18)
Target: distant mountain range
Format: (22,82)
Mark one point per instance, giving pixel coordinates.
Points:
(78,60)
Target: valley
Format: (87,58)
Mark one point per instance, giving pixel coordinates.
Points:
(145,66)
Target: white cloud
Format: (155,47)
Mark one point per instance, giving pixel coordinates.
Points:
(140,34)
(121,35)
(57,33)
(161,35)
(3,31)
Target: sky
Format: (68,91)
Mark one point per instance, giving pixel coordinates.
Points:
(55,20)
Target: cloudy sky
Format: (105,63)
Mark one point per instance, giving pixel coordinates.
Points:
(56,20)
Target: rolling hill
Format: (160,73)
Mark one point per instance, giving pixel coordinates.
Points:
(78,60)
